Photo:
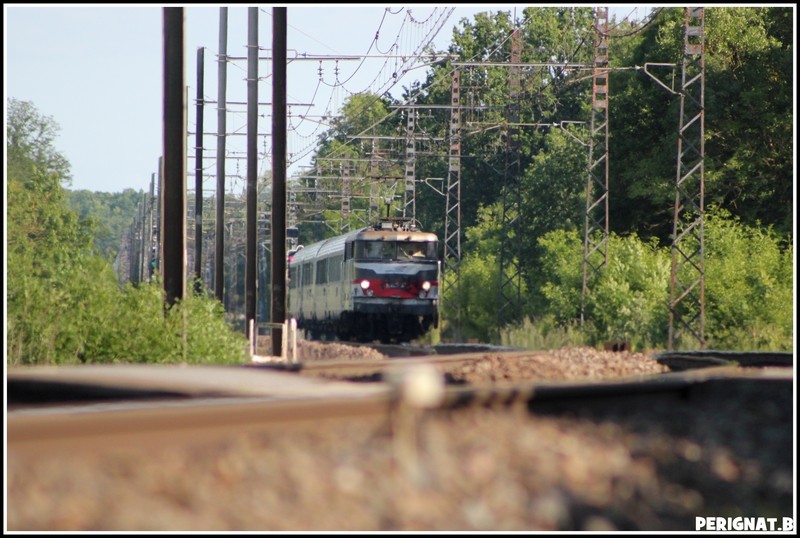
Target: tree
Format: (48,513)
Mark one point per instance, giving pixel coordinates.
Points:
(351,148)
(748,147)
(111,214)
(748,120)
(553,188)
(51,268)
(63,301)
(30,138)
(750,107)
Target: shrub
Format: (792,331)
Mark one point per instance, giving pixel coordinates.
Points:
(542,333)
(749,286)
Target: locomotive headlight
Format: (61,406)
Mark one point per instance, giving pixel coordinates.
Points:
(426,286)
(364,284)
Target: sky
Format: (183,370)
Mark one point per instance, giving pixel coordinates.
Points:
(96,70)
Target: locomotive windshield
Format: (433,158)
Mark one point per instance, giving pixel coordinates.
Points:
(396,250)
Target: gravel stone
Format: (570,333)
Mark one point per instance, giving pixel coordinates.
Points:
(649,463)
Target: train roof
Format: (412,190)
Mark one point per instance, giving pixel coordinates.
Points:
(336,244)
(321,247)
(395,235)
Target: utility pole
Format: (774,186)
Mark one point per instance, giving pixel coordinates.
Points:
(151,239)
(174,198)
(278,233)
(132,277)
(344,212)
(198,178)
(219,247)
(252,168)
(410,203)
(159,234)
(142,261)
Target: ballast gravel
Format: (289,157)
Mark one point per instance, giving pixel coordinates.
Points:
(654,462)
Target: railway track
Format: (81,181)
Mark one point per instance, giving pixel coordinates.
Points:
(262,449)
(47,406)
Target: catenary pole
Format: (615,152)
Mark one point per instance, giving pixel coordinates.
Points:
(278,233)
(219,235)
(198,177)
(174,198)
(252,168)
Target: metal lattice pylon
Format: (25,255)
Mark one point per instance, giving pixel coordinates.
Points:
(373,184)
(452,217)
(409,205)
(510,293)
(344,225)
(687,279)
(595,239)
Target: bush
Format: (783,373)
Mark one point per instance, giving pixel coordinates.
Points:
(142,331)
(628,300)
(209,339)
(748,289)
(749,282)
(543,333)
(64,304)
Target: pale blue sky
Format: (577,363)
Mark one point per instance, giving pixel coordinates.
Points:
(96,70)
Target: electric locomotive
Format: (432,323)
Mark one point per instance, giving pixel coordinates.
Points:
(376,283)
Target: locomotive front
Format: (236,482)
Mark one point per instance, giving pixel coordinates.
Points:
(377,283)
(395,284)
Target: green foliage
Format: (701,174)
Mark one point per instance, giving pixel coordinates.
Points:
(561,280)
(30,138)
(362,114)
(749,281)
(209,339)
(477,292)
(749,109)
(734,34)
(748,288)
(554,186)
(748,119)
(476,296)
(97,322)
(543,333)
(478,39)
(63,304)
(50,269)
(110,213)
(628,298)
(339,156)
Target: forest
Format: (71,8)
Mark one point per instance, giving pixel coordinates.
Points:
(748,180)
(66,304)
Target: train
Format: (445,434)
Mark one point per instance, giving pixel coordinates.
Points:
(377,283)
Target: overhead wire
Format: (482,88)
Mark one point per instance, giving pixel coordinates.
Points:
(413,97)
(636,30)
(414,57)
(416,54)
(388,85)
(400,69)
